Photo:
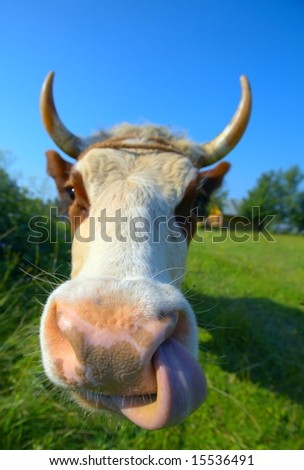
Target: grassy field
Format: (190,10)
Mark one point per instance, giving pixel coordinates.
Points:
(249,301)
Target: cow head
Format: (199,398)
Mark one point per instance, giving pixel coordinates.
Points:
(119,335)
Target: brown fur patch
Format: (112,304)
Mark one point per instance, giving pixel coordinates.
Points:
(79,208)
(213,178)
(183,214)
(203,186)
(59,169)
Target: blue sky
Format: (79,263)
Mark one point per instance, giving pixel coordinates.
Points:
(168,62)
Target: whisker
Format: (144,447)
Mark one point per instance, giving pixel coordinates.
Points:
(158,273)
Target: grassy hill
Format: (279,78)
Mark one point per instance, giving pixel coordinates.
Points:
(249,301)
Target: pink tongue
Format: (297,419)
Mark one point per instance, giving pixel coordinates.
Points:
(181,388)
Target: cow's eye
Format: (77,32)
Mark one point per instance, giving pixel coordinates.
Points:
(71,192)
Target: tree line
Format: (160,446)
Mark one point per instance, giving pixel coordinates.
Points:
(279,193)
(17,254)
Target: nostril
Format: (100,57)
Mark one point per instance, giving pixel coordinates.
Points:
(152,332)
(184,331)
(68,330)
(61,346)
(74,334)
(63,321)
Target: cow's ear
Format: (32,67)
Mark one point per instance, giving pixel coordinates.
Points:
(210,180)
(59,169)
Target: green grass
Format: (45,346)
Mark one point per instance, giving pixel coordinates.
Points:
(249,301)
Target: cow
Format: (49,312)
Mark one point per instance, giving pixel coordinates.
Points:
(119,335)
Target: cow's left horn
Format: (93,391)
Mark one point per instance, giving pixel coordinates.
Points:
(224,142)
(66,141)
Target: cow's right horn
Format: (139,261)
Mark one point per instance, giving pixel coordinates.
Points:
(223,143)
(66,141)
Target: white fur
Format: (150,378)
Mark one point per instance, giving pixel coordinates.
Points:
(147,186)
